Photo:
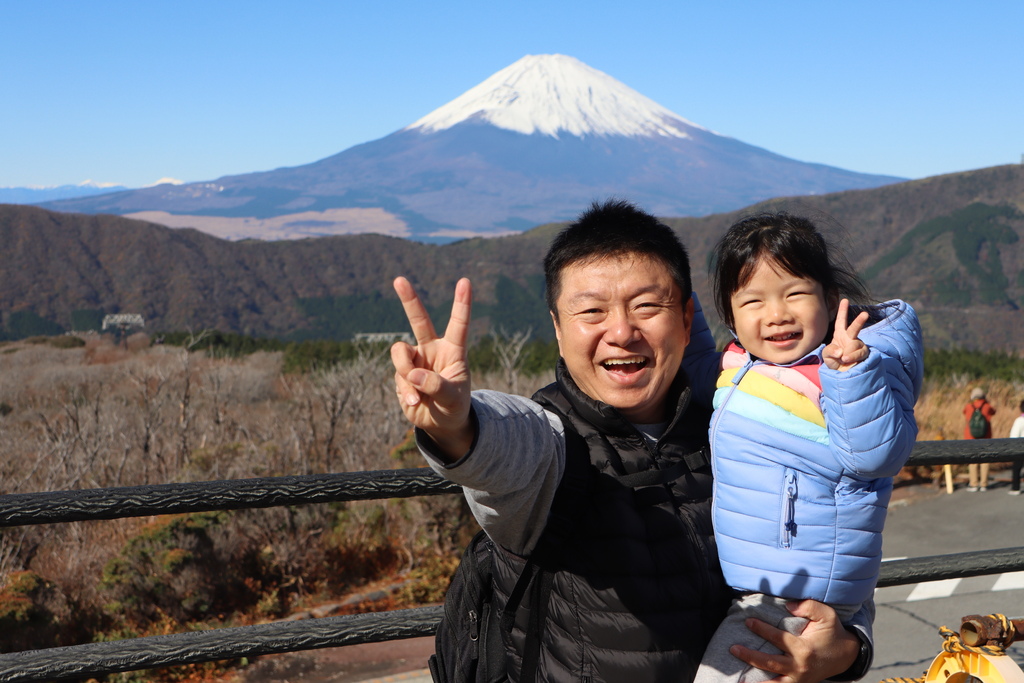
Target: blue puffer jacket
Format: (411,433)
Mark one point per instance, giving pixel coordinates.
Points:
(801,517)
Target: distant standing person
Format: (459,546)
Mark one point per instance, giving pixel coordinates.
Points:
(978,414)
(1016,432)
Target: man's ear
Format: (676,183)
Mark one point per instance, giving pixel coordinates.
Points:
(688,318)
(558,330)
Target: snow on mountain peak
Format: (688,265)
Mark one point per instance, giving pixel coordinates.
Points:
(549,94)
(97,185)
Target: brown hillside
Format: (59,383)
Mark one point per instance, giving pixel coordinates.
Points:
(949,244)
(969,299)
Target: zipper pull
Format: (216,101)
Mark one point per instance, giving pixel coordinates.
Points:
(738,377)
(790,523)
(474,626)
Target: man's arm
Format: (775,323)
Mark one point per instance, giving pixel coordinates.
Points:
(504,450)
(510,475)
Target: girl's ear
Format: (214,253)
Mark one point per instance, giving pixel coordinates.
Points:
(832,300)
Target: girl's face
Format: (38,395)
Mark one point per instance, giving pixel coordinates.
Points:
(779,317)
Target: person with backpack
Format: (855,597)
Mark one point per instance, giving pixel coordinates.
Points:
(978,414)
(595,495)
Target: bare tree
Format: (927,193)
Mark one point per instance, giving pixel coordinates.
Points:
(149,386)
(509,348)
(186,412)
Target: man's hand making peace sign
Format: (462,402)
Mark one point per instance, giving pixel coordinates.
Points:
(432,378)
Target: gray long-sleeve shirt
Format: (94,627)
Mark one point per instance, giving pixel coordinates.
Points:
(512,470)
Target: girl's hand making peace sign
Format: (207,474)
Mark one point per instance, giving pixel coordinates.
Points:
(846,350)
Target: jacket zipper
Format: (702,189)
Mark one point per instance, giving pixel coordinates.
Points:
(789,509)
(717,416)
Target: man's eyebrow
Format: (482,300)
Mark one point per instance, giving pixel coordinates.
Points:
(580,297)
(586,296)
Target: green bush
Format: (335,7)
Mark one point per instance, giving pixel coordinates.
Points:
(172,569)
(223,344)
(34,611)
(85,319)
(537,356)
(67,341)
(27,324)
(945,363)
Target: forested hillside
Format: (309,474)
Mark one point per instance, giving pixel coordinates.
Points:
(949,244)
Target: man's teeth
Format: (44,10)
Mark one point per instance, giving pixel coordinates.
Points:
(625,361)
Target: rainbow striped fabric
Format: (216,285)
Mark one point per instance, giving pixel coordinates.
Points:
(786,397)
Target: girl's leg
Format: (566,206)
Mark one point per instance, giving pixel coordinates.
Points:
(718,666)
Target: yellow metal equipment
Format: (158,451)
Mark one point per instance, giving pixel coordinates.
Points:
(978,653)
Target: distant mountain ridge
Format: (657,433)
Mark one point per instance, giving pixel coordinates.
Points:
(37,195)
(950,244)
(528,145)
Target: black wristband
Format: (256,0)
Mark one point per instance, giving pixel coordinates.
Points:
(860,666)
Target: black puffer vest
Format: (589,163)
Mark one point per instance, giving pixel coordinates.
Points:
(638,591)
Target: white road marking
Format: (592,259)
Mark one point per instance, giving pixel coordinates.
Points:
(1010,581)
(933,589)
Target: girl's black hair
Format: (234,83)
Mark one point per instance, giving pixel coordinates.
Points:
(794,243)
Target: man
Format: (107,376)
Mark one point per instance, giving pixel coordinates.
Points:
(639,592)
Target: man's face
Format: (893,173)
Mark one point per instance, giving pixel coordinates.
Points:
(622,328)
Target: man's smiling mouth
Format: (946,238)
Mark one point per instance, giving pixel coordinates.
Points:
(624,364)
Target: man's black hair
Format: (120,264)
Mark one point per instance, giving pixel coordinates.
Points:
(615,228)
(795,244)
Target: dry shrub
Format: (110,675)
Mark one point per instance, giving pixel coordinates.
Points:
(178,568)
(104,351)
(939,414)
(106,414)
(939,411)
(136,342)
(34,610)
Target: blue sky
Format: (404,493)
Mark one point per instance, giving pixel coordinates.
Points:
(131,92)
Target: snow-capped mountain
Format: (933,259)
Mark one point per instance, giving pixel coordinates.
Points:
(535,142)
(556,94)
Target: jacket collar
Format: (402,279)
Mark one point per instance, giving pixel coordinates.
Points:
(607,418)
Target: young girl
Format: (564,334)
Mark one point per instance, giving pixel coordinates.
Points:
(814,414)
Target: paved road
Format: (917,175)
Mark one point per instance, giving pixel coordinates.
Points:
(908,619)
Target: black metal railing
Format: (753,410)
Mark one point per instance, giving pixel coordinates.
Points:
(99,659)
